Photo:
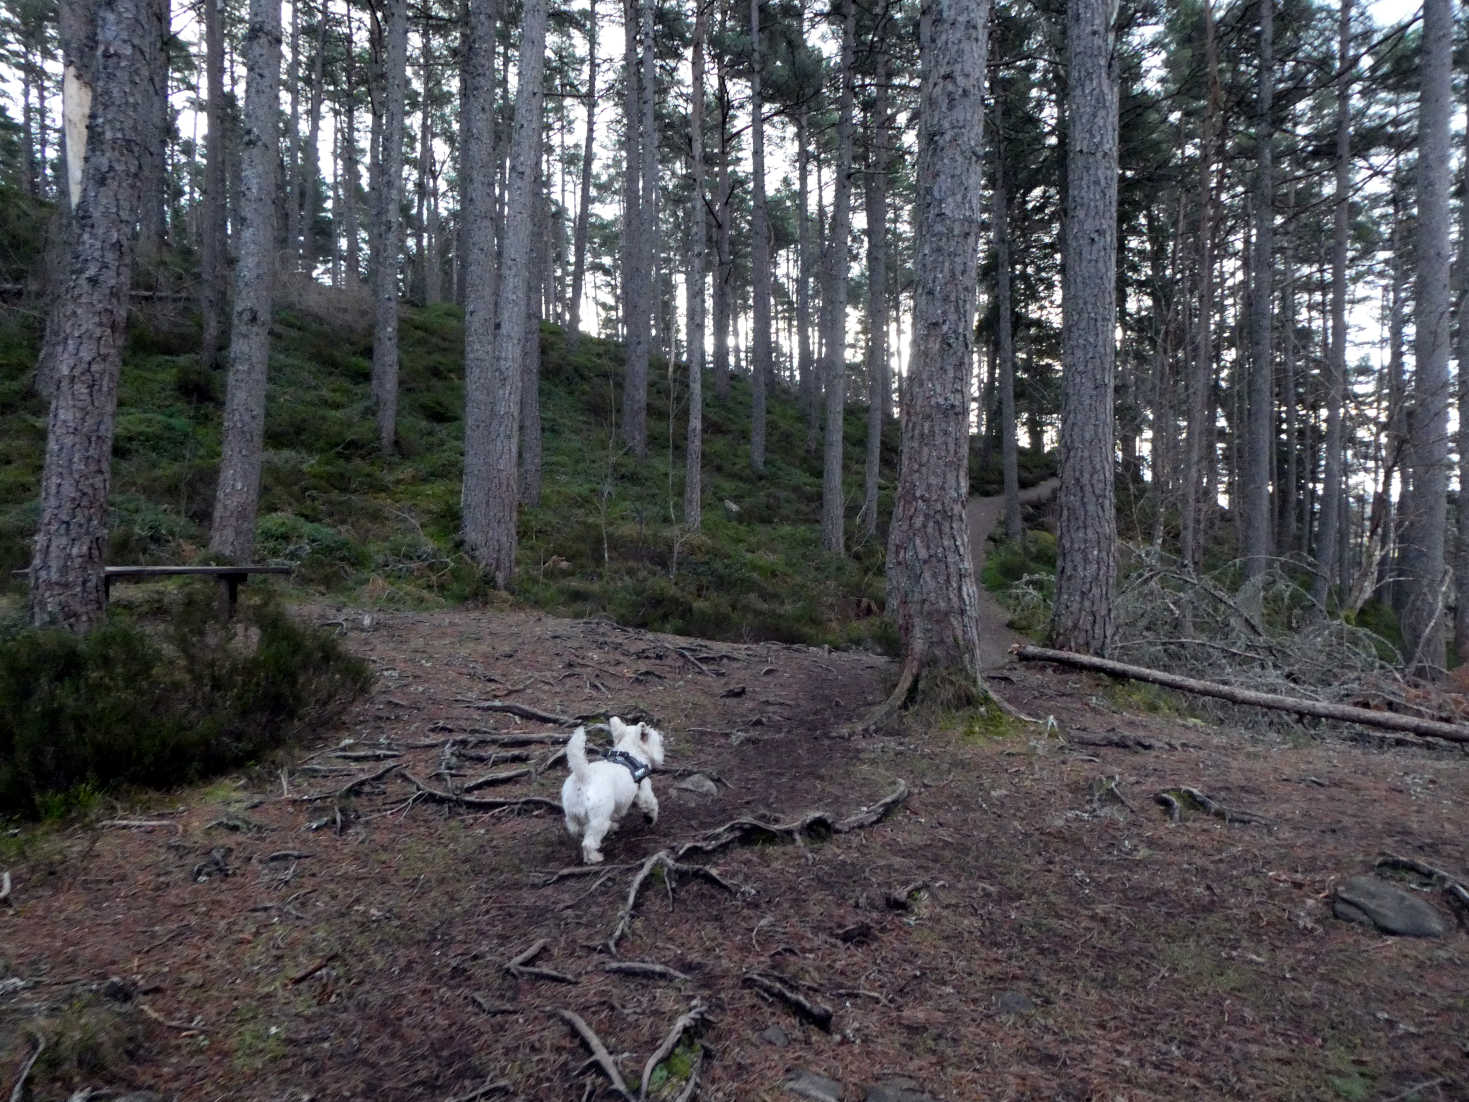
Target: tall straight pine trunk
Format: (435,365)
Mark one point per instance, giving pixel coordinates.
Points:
(388,240)
(833,521)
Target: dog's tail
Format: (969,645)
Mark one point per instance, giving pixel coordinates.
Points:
(576,753)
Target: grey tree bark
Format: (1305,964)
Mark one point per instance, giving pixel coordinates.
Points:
(351,228)
(1260,408)
(87,326)
(638,216)
(529,488)
(878,157)
(1423,611)
(388,238)
(693,487)
(157,120)
(1461,544)
(759,252)
(584,192)
(306,187)
(1005,327)
(1086,545)
(213,236)
(492,418)
(723,237)
(1336,362)
(930,573)
(833,525)
(237,494)
(810,388)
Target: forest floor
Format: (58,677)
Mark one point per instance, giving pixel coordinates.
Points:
(1026,922)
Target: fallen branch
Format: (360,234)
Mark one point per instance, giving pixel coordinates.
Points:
(816,1013)
(496,778)
(5,889)
(684,1024)
(644,968)
(597,1048)
(1453,888)
(1344,713)
(670,867)
(302,977)
(142,824)
(182,1027)
(703,669)
(485,805)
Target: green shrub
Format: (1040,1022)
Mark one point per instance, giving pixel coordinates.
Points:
(125,705)
(1007,563)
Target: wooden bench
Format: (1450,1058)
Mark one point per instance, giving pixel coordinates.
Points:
(231,577)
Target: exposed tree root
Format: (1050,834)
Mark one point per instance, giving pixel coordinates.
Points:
(781,988)
(598,1050)
(520,967)
(686,1023)
(352,785)
(644,968)
(1453,888)
(1176,799)
(1345,713)
(671,867)
(496,778)
(18,1092)
(813,826)
(522,711)
(487,805)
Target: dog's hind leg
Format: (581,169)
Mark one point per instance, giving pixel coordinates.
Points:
(591,844)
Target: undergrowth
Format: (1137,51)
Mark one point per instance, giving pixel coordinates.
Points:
(159,704)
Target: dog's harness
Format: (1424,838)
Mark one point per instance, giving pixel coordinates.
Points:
(640,770)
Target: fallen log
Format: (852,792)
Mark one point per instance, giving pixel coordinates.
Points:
(1345,713)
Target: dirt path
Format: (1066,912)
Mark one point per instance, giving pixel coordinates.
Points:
(995,638)
(1027,924)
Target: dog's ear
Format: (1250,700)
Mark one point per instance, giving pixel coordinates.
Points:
(617,727)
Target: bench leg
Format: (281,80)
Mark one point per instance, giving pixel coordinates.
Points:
(232,588)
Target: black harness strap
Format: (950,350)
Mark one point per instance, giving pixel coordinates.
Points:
(640,770)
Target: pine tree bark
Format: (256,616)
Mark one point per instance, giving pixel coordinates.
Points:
(1461,544)
(492,422)
(388,239)
(529,488)
(87,327)
(1005,325)
(1424,612)
(639,222)
(1086,544)
(930,573)
(306,186)
(805,367)
(584,192)
(213,242)
(157,121)
(351,224)
(1260,407)
(693,492)
(878,155)
(759,252)
(1326,578)
(237,494)
(293,165)
(833,521)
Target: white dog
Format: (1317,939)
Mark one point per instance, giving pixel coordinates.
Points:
(598,794)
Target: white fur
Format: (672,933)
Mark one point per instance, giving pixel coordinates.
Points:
(598,794)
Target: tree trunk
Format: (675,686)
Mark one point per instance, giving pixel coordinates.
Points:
(810,387)
(530,359)
(693,492)
(1461,544)
(214,247)
(157,120)
(759,253)
(1336,362)
(877,289)
(293,166)
(1004,327)
(1423,618)
(87,327)
(1291,481)
(1260,407)
(237,495)
(389,236)
(833,524)
(930,573)
(492,433)
(351,229)
(1086,547)
(635,306)
(310,167)
(584,192)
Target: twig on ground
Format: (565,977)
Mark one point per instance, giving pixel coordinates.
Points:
(142,824)
(572,872)
(686,1022)
(352,785)
(816,1013)
(490,1008)
(1453,888)
(302,977)
(876,996)
(520,967)
(670,867)
(485,805)
(644,968)
(703,669)
(183,1027)
(18,1091)
(598,1049)
(382,754)
(5,889)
